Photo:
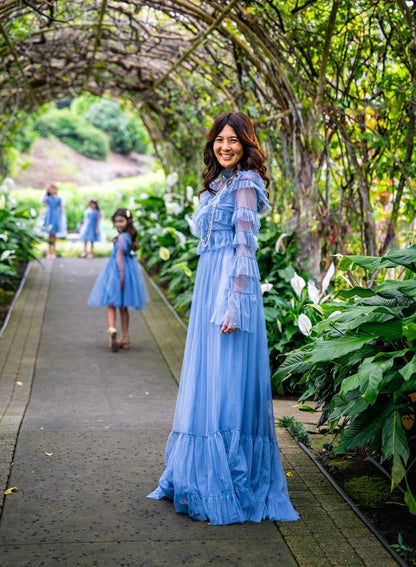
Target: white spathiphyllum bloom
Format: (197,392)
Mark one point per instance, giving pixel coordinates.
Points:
(181,237)
(8,183)
(304,324)
(266,286)
(154,216)
(172,179)
(167,197)
(6,254)
(279,242)
(279,326)
(328,277)
(313,292)
(297,283)
(195,201)
(4,237)
(143,196)
(164,253)
(174,208)
(189,193)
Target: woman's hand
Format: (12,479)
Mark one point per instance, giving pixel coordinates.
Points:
(227,329)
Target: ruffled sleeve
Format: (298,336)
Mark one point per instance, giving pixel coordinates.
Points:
(240,302)
(122,248)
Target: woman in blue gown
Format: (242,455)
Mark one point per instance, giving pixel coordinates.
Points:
(222,458)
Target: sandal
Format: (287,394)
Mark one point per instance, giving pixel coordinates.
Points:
(124,342)
(83,255)
(112,339)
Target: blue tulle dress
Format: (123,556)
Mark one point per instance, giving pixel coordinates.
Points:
(107,290)
(90,230)
(54,221)
(222,458)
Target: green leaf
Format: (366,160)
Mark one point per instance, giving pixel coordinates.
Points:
(394,444)
(406,287)
(410,499)
(409,331)
(333,349)
(356,292)
(409,369)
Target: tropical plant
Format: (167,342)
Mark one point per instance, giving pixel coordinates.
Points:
(17,236)
(361,364)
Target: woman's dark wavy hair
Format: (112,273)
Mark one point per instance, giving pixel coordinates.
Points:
(253,156)
(126,213)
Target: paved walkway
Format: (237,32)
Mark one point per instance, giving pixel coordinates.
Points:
(82,434)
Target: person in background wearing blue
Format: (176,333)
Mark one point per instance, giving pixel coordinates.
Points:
(54,221)
(222,458)
(120,284)
(90,228)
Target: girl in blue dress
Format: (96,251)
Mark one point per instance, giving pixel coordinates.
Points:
(53,224)
(222,458)
(120,284)
(90,228)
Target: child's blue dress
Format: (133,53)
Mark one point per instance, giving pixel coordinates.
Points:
(222,458)
(107,289)
(90,230)
(54,221)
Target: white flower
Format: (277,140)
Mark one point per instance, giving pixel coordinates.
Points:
(172,179)
(189,193)
(164,253)
(4,237)
(153,216)
(304,324)
(33,213)
(143,196)
(328,277)
(266,287)
(6,254)
(174,208)
(195,201)
(297,283)
(279,242)
(181,237)
(167,197)
(313,292)
(279,325)
(8,183)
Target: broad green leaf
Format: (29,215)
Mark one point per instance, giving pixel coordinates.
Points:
(408,369)
(356,292)
(333,349)
(406,287)
(371,376)
(410,499)
(395,445)
(409,331)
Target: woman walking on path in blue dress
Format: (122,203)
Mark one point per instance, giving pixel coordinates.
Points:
(54,221)
(120,284)
(90,228)
(222,458)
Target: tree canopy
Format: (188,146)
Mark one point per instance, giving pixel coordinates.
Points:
(330,85)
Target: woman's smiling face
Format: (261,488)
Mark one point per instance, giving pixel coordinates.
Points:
(227,147)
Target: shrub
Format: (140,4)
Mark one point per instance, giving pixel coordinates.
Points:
(361,364)
(74,131)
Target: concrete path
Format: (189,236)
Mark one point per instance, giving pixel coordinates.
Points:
(82,435)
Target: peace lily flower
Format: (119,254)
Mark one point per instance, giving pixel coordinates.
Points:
(174,208)
(189,192)
(172,179)
(304,324)
(297,283)
(266,287)
(313,292)
(164,253)
(279,326)
(279,242)
(6,254)
(328,277)
(195,201)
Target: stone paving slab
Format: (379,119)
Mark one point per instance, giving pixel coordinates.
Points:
(90,447)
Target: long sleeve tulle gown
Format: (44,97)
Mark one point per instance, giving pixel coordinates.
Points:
(222,458)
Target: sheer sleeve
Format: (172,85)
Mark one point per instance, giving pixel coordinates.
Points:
(121,251)
(240,303)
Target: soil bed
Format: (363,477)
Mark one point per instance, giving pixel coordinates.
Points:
(369,488)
